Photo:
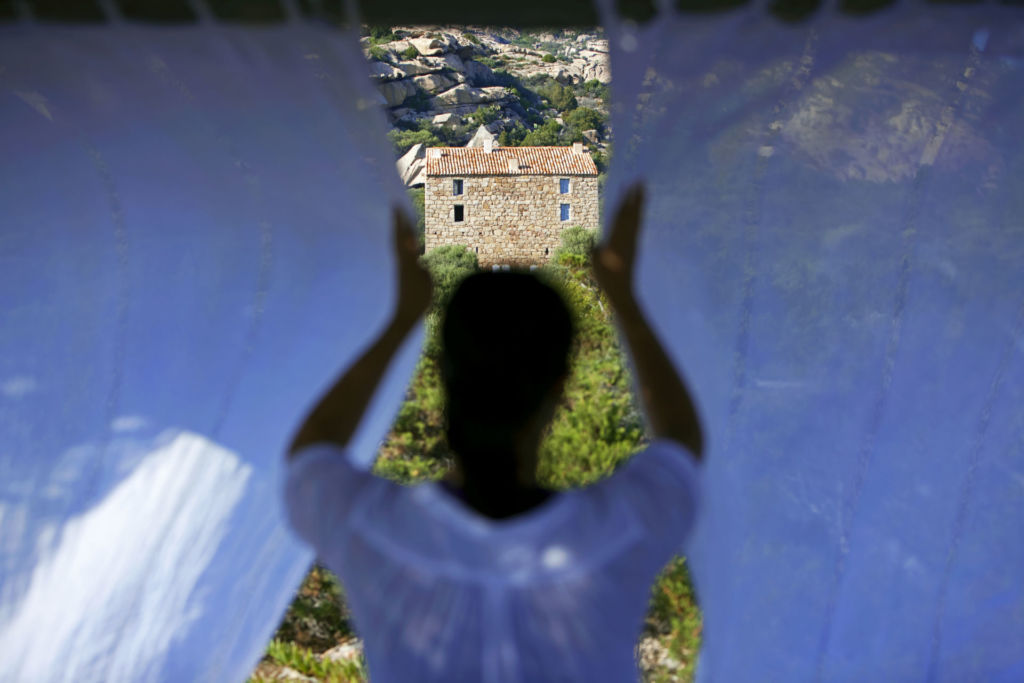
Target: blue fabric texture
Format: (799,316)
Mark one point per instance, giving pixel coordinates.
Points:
(440,592)
(833,244)
(195,241)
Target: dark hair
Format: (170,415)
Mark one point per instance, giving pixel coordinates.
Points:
(506,339)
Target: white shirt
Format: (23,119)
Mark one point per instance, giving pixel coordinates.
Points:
(441,593)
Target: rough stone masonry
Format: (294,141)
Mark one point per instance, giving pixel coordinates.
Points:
(508,205)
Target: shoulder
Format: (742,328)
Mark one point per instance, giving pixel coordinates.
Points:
(321,488)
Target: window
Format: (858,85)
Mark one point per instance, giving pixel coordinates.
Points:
(563,186)
(457,187)
(565,212)
(459,213)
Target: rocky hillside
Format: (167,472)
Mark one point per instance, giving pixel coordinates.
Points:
(441,84)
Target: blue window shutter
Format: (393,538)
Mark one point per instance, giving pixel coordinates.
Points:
(563,186)
(565,212)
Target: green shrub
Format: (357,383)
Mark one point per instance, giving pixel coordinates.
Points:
(597,89)
(543,136)
(491,62)
(484,115)
(402,140)
(581,119)
(548,58)
(512,137)
(410,53)
(471,37)
(578,241)
(558,96)
(378,53)
(307,663)
(380,34)
(448,266)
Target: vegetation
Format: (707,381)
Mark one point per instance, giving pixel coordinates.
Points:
(402,140)
(379,34)
(491,62)
(484,115)
(595,89)
(558,96)
(548,58)
(410,52)
(378,53)
(418,199)
(544,135)
(581,119)
(577,241)
(597,427)
(448,265)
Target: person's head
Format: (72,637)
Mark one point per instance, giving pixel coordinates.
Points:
(506,339)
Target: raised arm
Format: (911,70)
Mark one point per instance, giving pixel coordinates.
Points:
(336,416)
(667,402)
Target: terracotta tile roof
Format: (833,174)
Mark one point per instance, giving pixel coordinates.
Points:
(467,161)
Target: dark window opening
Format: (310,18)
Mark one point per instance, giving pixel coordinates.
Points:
(545,251)
(459,213)
(456,187)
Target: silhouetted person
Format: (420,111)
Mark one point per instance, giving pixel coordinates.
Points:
(487,576)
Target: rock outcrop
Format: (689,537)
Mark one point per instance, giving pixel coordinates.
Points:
(412,166)
(447,65)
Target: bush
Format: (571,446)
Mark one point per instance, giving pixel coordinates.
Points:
(484,115)
(596,89)
(512,137)
(578,241)
(558,96)
(402,140)
(449,265)
(380,34)
(378,53)
(491,62)
(471,37)
(410,53)
(548,58)
(581,119)
(543,136)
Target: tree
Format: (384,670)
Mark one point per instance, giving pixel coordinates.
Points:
(513,137)
(581,119)
(542,136)
(558,96)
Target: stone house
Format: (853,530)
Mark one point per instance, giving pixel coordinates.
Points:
(509,205)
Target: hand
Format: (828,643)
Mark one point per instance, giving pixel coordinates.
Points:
(614,259)
(415,288)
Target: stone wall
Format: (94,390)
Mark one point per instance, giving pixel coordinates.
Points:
(508,220)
